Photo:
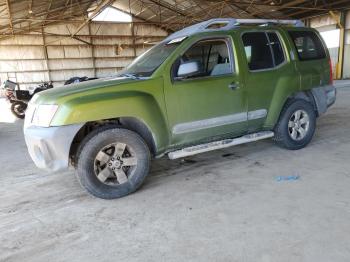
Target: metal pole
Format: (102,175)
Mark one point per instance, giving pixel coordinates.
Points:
(46,55)
(92,50)
(340,19)
(342,45)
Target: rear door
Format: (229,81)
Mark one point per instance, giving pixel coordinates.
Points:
(313,62)
(268,73)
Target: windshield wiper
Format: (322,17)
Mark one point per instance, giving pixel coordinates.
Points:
(130,76)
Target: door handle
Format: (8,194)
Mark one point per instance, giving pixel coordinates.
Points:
(233,86)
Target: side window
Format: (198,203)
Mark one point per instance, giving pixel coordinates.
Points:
(263,50)
(277,48)
(257,50)
(308,45)
(204,58)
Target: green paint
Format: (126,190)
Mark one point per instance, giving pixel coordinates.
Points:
(162,103)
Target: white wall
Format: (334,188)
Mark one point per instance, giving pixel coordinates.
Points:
(327,23)
(31,59)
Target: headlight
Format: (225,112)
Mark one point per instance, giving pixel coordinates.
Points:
(43,115)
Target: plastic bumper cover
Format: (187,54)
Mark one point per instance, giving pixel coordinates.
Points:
(331,93)
(49,147)
(325,97)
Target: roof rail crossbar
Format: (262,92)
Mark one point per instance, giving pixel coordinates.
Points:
(296,23)
(228,24)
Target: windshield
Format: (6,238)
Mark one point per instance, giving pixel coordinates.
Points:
(148,62)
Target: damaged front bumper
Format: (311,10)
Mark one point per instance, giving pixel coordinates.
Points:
(49,146)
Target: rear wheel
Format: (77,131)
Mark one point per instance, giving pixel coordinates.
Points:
(113,163)
(296,125)
(18,108)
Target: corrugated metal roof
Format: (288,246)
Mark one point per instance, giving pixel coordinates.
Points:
(176,14)
(18,16)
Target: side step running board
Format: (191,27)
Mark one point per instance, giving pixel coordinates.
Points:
(193,150)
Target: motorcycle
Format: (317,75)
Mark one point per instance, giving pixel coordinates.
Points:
(78,79)
(19,98)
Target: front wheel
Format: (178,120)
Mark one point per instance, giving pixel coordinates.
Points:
(296,125)
(113,163)
(18,108)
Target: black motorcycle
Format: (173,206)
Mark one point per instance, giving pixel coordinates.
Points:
(78,79)
(19,98)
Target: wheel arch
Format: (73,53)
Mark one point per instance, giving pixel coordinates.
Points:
(304,95)
(141,128)
(277,107)
(131,123)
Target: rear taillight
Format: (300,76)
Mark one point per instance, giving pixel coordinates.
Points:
(331,72)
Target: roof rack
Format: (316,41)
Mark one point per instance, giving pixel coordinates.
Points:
(228,24)
(296,23)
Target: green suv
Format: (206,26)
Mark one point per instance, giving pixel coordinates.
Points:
(212,85)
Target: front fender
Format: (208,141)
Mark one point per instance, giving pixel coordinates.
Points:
(111,105)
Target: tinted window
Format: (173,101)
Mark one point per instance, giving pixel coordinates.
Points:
(211,55)
(308,45)
(277,48)
(258,51)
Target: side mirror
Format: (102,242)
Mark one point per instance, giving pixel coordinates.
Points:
(188,69)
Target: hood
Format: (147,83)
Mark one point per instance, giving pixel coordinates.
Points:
(52,95)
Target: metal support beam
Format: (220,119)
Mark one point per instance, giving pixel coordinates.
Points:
(81,40)
(325,6)
(10,15)
(92,51)
(46,55)
(40,16)
(245,10)
(286,5)
(48,10)
(132,28)
(340,19)
(201,15)
(98,10)
(337,18)
(170,7)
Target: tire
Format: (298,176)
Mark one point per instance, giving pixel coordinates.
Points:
(18,108)
(294,134)
(101,151)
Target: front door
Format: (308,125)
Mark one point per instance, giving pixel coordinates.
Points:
(205,99)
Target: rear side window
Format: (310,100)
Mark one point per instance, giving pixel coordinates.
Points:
(308,45)
(257,50)
(277,48)
(263,50)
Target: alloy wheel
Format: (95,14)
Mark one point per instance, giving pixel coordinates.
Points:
(298,125)
(115,163)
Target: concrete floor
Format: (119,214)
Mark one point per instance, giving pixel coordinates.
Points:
(225,205)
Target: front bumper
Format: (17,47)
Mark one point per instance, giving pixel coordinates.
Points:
(49,146)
